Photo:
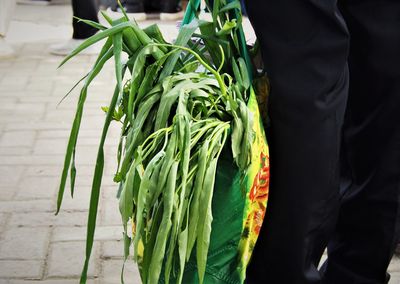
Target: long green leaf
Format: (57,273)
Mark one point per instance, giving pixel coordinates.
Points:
(117,42)
(184,36)
(143,196)
(205,219)
(105,55)
(195,205)
(96,38)
(95,193)
(165,227)
(149,249)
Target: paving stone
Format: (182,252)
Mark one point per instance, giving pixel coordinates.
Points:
(68,114)
(8,99)
(66,234)
(84,182)
(44,170)
(394,265)
(52,281)
(39,125)
(14,151)
(110,213)
(37,188)
(109,192)
(394,278)
(37,86)
(48,219)
(46,69)
(53,134)
(17,138)
(7,106)
(6,64)
(55,171)
(36,97)
(111,271)
(33,109)
(3,218)
(112,249)
(66,259)
(21,65)
(9,176)
(81,199)
(15,87)
(59,146)
(18,119)
(27,206)
(7,192)
(59,115)
(35,160)
(24,243)
(21,269)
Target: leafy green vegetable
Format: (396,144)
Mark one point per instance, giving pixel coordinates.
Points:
(177,104)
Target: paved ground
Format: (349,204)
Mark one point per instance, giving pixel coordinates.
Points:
(36,246)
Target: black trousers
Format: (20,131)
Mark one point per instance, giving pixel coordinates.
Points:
(150,5)
(334,138)
(84,9)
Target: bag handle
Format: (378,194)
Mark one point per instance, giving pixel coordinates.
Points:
(190,14)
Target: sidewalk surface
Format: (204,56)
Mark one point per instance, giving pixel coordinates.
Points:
(35,245)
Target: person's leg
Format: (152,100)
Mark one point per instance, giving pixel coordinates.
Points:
(305,48)
(84,9)
(368,227)
(134,6)
(170,10)
(168,5)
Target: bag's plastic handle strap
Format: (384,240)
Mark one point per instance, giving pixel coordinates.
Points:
(244,50)
(190,14)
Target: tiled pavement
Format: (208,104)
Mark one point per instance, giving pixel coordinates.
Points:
(35,245)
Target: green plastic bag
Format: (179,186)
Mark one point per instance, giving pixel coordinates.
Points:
(238,216)
(239,202)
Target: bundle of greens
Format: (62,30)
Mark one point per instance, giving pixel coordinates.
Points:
(178,105)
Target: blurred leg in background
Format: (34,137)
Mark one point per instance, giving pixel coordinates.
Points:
(87,10)
(6,12)
(82,9)
(140,10)
(170,10)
